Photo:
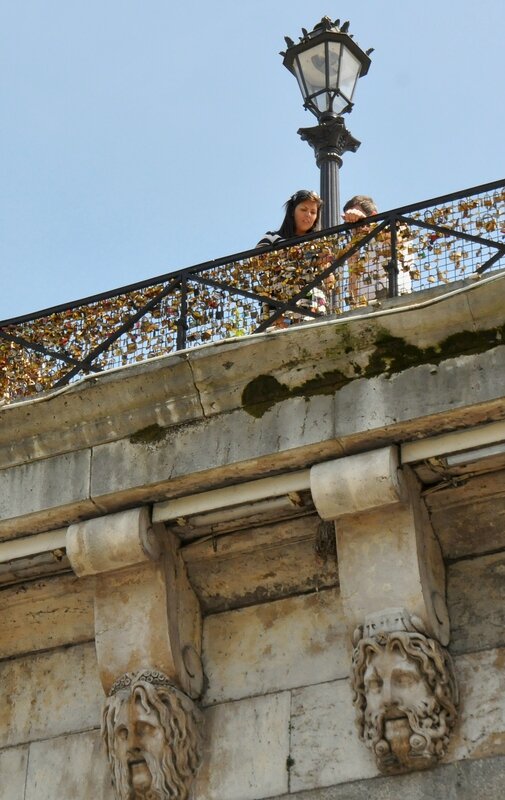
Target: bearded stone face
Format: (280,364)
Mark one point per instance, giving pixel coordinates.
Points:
(405,693)
(399,703)
(153,742)
(139,742)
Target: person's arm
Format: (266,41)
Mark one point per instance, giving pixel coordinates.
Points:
(353,215)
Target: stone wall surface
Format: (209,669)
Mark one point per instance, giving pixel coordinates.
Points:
(247,749)
(68,767)
(46,613)
(324,746)
(275,646)
(277,690)
(314,726)
(480,731)
(476,600)
(465,780)
(49,694)
(72,766)
(13,764)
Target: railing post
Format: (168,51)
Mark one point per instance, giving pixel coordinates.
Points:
(392,267)
(182,322)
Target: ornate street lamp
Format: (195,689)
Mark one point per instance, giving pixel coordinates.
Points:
(327,63)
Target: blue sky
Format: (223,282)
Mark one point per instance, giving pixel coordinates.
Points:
(142,136)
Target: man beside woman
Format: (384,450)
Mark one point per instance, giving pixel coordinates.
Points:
(367,268)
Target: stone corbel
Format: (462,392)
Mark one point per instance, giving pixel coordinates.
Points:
(388,555)
(148,644)
(392,582)
(146,613)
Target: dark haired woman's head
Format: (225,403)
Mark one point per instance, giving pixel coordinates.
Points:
(303,211)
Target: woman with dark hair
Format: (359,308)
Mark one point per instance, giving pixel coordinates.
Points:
(303,213)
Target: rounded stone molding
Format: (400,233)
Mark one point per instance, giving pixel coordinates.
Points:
(357,483)
(112,542)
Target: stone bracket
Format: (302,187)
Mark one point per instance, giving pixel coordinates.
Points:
(146,613)
(388,556)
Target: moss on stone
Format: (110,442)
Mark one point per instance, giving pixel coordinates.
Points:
(150,435)
(391,355)
(262,393)
(265,391)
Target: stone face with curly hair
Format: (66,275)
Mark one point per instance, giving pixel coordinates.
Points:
(405,695)
(152,733)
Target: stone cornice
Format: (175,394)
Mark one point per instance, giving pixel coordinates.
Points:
(147,399)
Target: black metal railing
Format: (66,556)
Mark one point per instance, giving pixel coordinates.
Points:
(397,252)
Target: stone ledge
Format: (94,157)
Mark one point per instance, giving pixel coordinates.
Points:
(45,614)
(259,565)
(228,448)
(225,376)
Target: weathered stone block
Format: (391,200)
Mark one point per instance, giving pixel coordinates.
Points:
(480,732)
(73,767)
(260,565)
(45,494)
(247,750)
(47,613)
(325,748)
(465,780)
(49,694)
(476,600)
(274,646)
(158,391)
(13,763)
(470,518)
(134,469)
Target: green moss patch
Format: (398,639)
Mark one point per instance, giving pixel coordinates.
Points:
(391,355)
(265,391)
(150,435)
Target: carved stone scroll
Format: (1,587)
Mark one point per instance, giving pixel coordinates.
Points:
(392,582)
(388,556)
(146,612)
(148,644)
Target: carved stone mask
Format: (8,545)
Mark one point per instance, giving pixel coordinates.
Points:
(152,735)
(405,695)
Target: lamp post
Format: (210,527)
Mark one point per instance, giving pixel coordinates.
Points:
(327,63)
